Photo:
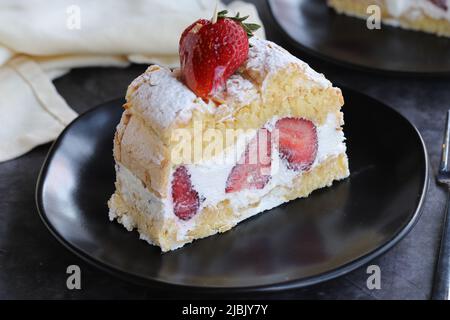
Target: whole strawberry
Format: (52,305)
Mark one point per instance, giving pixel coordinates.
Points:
(211,51)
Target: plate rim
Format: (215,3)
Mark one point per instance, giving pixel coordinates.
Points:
(343,63)
(274,287)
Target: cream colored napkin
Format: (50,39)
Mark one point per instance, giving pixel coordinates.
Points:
(41,40)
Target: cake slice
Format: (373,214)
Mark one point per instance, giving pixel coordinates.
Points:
(431,16)
(190,166)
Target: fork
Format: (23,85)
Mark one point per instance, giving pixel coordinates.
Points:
(441,285)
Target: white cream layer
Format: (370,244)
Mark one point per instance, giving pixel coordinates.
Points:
(209,180)
(414,9)
(132,190)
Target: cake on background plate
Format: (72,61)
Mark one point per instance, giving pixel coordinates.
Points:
(286,120)
(431,16)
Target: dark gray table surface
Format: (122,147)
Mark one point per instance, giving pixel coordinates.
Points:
(33,264)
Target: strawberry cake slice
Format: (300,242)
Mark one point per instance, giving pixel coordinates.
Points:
(432,16)
(242,127)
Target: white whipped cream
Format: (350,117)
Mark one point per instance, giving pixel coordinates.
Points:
(133,191)
(397,7)
(209,179)
(413,9)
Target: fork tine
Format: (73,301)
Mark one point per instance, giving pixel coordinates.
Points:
(446,146)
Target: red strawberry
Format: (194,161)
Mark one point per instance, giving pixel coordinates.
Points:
(297,142)
(186,200)
(253,169)
(210,52)
(440,3)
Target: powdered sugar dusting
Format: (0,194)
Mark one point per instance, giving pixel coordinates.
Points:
(266,58)
(162,98)
(159,96)
(240,90)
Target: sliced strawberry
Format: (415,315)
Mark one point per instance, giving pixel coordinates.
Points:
(186,200)
(298,142)
(440,3)
(253,169)
(210,52)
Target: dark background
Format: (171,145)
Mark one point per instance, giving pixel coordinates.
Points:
(33,264)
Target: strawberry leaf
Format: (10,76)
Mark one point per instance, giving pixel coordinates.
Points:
(249,28)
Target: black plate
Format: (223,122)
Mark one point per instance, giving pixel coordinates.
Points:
(320,31)
(306,241)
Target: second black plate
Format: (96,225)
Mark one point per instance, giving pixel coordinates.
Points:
(319,30)
(306,241)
